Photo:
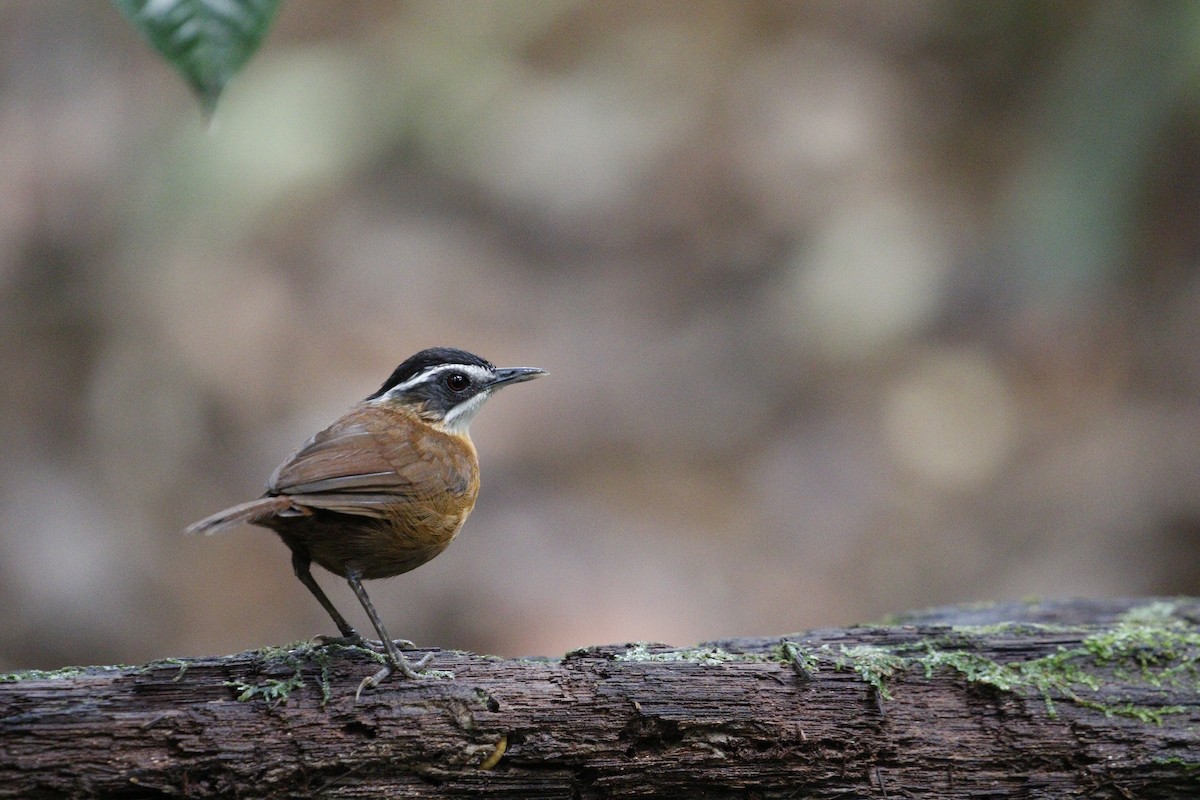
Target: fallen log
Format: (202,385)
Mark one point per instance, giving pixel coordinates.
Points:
(1037,700)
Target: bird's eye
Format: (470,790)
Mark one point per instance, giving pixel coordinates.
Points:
(457,382)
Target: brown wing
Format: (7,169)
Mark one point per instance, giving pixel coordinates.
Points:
(371,460)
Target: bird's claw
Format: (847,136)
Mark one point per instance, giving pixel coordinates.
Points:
(401,665)
(357,640)
(352,640)
(371,681)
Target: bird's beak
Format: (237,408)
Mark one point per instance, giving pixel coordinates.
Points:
(508,375)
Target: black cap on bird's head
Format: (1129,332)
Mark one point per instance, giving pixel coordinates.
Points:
(446,385)
(414,365)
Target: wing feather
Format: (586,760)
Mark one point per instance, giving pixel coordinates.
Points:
(366,464)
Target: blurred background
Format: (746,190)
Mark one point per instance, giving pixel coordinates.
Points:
(849,307)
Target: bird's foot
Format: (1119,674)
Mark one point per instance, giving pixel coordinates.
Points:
(347,640)
(355,639)
(401,665)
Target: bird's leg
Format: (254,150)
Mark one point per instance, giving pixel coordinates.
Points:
(301,564)
(396,662)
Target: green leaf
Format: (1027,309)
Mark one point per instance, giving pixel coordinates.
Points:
(208,41)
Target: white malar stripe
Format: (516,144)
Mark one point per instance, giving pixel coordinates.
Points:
(460,416)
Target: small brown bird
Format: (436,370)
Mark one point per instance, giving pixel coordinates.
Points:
(383,489)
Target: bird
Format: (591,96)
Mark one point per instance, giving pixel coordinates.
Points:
(383,489)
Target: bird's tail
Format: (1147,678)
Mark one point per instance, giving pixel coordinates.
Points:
(251,512)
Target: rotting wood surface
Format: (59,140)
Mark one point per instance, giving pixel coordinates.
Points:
(1072,699)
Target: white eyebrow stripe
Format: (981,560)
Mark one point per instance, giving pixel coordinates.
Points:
(476,372)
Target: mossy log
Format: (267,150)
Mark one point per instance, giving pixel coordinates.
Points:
(1041,700)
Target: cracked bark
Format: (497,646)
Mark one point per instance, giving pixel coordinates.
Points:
(728,719)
